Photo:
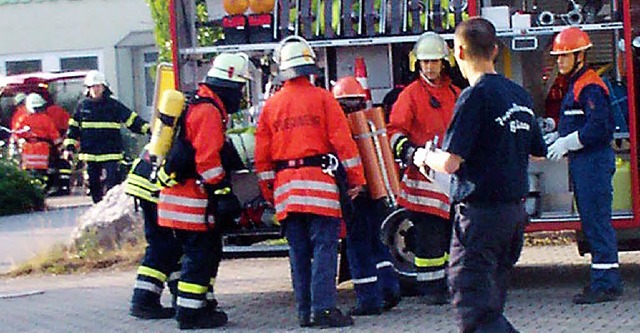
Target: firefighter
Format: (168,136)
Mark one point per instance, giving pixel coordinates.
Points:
(20,110)
(96,125)
(60,117)
(487,146)
(298,130)
(41,138)
(585,132)
(422,112)
(162,254)
(200,199)
(372,273)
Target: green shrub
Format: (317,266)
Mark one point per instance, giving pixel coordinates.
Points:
(19,192)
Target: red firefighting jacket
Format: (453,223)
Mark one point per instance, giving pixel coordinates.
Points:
(38,140)
(415,118)
(59,116)
(184,206)
(300,121)
(19,114)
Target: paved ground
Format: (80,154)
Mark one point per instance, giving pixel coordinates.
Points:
(256,294)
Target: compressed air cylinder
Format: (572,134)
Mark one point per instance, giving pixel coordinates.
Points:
(369,132)
(170,108)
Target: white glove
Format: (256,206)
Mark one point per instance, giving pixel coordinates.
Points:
(563,145)
(550,138)
(420,156)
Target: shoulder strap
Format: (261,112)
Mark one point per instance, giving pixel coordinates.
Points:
(194,100)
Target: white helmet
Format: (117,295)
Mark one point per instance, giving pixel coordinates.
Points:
(19,98)
(295,58)
(94,78)
(229,70)
(430,46)
(35,103)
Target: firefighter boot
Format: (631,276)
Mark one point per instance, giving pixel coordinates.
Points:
(189,319)
(390,301)
(332,318)
(590,296)
(146,305)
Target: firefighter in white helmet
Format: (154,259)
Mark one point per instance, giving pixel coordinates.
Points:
(197,200)
(96,126)
(298,130)
(422,112)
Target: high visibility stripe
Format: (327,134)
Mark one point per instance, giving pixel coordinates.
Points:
(174,276)
(69,142)
(183,201)
(165,179)
(213,173)
(210,296)
(605,266)
(65,171)
(73,122)
(100,125)
(395,138)
(150,272)
(142,182)
(145,128)
(181,217)
(305,185)
(149,286)
(424,201)
(576,112)
(384,264)
(212,282)
(190,303)
(419,184)
(430,276)
(101,157)
(352,162)
(308,201)
(35,157)
(370,279)
(430,262)
(192,288)
(131,119)
(266,175)
(140,193)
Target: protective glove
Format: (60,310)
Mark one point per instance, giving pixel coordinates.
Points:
(550,138)
(419,157)
(563,145)
(223,203)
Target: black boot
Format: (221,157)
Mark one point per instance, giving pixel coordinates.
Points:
(332,318)
(438,298)
(155,311)
(596,296)
(189,319)
(365,310)
(390,301)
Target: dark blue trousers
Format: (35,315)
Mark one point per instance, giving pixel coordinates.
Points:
(96,187)
(487,241)
(591,175)
(432,239)
(313,255)
(372,271)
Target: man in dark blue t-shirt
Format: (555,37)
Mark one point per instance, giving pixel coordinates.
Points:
(487,148)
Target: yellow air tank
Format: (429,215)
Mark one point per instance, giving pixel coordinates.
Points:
(235,7)
(261,6)
(170,108)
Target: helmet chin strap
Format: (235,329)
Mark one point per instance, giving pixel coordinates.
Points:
(426,79)
(576,64)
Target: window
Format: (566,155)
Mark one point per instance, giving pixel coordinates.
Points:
(24,66)
(150,60)
(78,63)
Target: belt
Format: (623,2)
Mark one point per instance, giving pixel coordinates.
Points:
(328,163)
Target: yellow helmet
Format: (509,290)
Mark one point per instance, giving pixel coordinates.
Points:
(35,103)
(430,46)
(229,70)
(295,58)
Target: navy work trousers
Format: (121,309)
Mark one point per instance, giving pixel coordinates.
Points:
(591,174)
(96,187)
(432,239)
(487,241)
(313,255)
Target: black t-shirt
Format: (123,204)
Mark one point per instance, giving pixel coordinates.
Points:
(494,130)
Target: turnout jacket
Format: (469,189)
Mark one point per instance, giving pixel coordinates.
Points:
(421,112)
(297,122)
(96,125)
(41,136)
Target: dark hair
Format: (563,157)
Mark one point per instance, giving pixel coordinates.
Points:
(478,36)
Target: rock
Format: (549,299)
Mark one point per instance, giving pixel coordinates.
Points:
(110,223)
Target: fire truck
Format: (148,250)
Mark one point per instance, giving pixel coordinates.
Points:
(383,33)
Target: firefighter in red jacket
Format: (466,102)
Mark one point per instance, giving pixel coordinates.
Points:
(20,110)
(202,199)
(423,111)
(299,131)
(60,117)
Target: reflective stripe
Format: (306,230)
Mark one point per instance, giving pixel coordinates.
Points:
(69,142)
(370,279)
(210,296)
(65,171)
(430,276)
(308,201)
(145,128)
(430,262)
(424,201)
(419,184)
(192,288)
(384,264)
(212,282)
(131,119)
(174,276)
(190,303)
(575,112)
(182,217)
(141,193)
(143,182)
(73,122)
(150,272)
(266,175)
(605,266)
(149,286)
(213,173)
(352,162)
(100,158)
(395,138)
(100,125)
(305,185)
(183,201)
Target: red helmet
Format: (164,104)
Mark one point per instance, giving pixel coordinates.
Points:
(348,87)
(570,40)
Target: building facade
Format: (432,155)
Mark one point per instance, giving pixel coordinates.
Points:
(113,36)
